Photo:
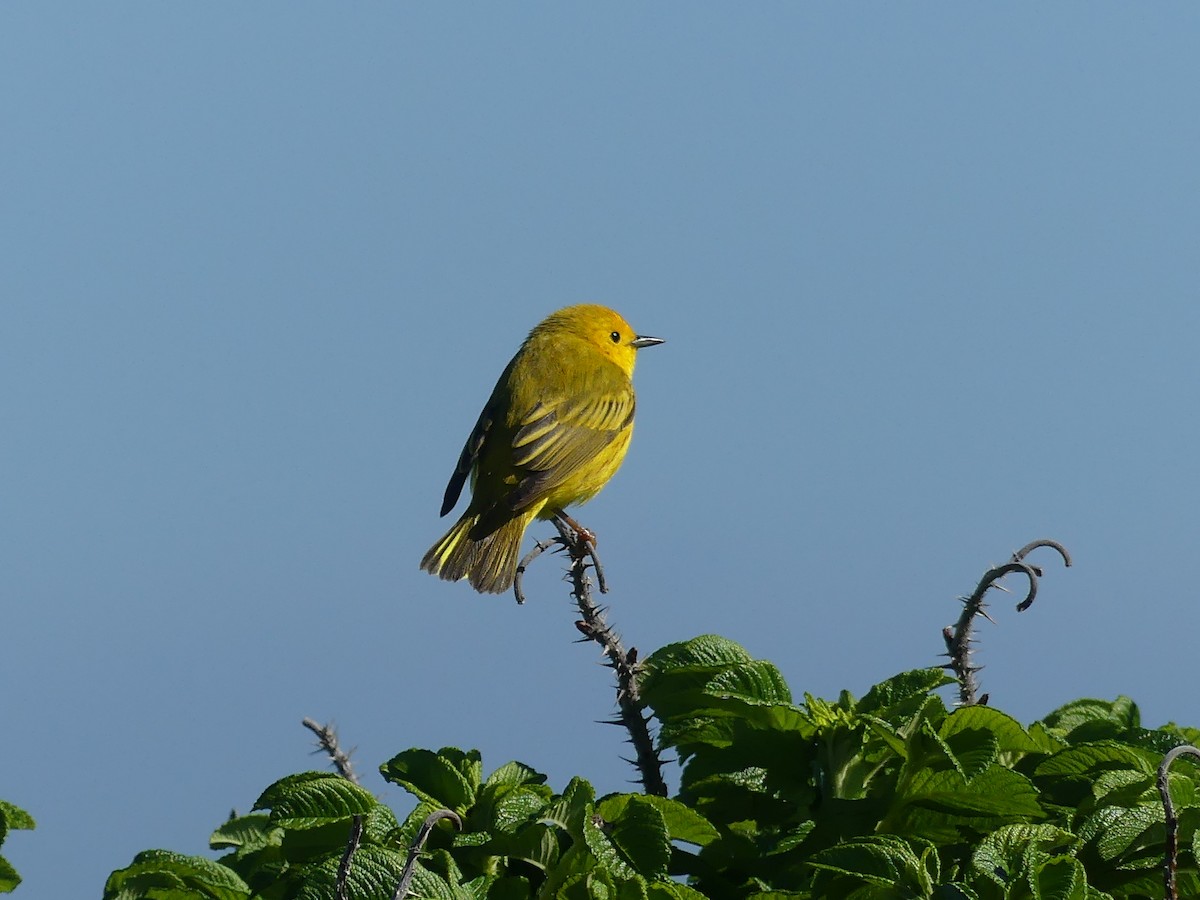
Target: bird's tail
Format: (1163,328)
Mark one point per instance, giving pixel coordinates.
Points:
(489,562)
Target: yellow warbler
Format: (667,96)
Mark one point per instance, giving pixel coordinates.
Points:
(551,435)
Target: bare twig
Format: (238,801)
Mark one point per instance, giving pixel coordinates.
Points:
(1170,861)
(538,549)
(958,637)
(327,742)
(418,845)
(343,872)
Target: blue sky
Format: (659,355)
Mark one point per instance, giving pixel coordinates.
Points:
(928,277)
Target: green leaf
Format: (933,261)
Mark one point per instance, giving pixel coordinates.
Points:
(1115,831)
(638,828)
(504,807)
(673,890)
(247,834)
(374,873)
(954,891)
(9,879)
(601,847)
(514,774)
(510,887)
(682,822)
(598,885)
(1087,761)
(708,651)
(314,799)
(675,676)
(1010,736)
(1001,855)
(571,809)
(444,779)
(946,807)
(885,697)
(158,872)
(1116,715)
(883,859)
(757,680)
(1061,878)
(14,818)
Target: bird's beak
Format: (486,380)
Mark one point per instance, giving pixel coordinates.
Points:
(642,341)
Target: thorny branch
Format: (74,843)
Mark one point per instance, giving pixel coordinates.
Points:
(410,864)
(958,637)
(581,548)
(570,534)
(1171,861)
(343,873)
(327,742)
(417,845)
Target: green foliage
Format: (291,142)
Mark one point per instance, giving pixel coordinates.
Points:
(894,795)
(888,796)
(11,817)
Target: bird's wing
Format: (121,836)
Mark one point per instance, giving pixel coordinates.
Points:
(559,435)
(466,459)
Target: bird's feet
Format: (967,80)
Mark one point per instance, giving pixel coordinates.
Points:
(584,534)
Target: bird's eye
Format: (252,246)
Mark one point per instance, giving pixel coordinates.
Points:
(616,337)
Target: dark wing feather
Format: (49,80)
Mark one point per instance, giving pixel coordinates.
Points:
(557,438)
(466,459)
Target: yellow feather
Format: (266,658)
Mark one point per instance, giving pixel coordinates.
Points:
(553,432)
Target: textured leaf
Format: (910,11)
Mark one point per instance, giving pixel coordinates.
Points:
(673,890)
(708,651)
(607,855)
(675,677)
(638,828)
(571,809)
(1010,736)
(1000,855)
(515,774)
(194,875)
(14,818)
(1088,759)
(886,695)
(313,799)
(883,860)
(505,807)
(1120,828)
(374,873)
(247,833)
(995,792)
(1061,878)
(1119,715)
(436,778)
(9,879)
(954,891)
(682,822)
(758,680)
(510,887)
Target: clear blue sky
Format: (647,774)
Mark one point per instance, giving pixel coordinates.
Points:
(929,280)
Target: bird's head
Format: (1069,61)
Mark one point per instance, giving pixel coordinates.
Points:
(602,328)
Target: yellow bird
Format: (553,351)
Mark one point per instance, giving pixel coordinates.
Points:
(552,434)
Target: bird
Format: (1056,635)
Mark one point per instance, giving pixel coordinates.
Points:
(553,432)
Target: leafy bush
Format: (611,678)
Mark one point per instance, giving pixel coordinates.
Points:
(885,797)
(11,817)
(888,796)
